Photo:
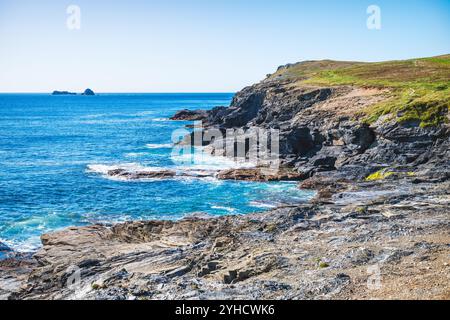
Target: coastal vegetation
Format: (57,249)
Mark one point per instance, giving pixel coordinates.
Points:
(417,90)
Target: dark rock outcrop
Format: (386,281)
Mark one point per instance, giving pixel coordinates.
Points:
(147,174)
(190,115)
(4,250)
(260,174)
(138,175)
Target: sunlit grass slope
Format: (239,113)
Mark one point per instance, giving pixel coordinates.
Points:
(419,89)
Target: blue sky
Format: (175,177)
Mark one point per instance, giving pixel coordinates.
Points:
(199,45)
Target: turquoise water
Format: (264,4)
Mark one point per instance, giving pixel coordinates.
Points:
(53,150)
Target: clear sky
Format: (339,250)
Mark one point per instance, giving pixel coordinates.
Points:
(201,45)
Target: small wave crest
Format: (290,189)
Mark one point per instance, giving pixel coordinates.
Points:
(262,205)
(159,145)
(202,160)
(227,209)
(160,119)
(32,244)
(131,167)
(130,171)
(135,154)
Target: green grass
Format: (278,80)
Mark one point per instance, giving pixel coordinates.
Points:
(419,89)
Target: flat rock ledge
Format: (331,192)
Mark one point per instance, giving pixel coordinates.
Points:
(137,175)
(261,174)
(190,115)
(249,174)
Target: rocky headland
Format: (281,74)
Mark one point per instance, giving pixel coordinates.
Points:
(371,138)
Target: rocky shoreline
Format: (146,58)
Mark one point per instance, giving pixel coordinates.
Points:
(379,226)
(394,232)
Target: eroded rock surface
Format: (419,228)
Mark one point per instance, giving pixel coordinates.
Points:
(260,174)
(141,174)
(324,250)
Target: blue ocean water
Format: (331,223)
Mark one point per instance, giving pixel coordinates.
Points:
(53,150)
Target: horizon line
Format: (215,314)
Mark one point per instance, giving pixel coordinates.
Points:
(126,92)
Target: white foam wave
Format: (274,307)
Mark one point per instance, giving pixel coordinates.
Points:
(131,167)
(202,160)
(31,245)
(104,169)
(262,205)
(135,154)
(159,145)
(95,116)
(160,119)
(144,113)
(228,209)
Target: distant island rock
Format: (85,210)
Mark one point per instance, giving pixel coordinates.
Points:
(63,93)
(87,92)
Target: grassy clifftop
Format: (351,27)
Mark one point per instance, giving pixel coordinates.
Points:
(419,89)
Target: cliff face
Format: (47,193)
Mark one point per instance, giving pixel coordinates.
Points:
(328,128)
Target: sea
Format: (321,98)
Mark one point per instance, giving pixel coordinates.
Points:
(55,152)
